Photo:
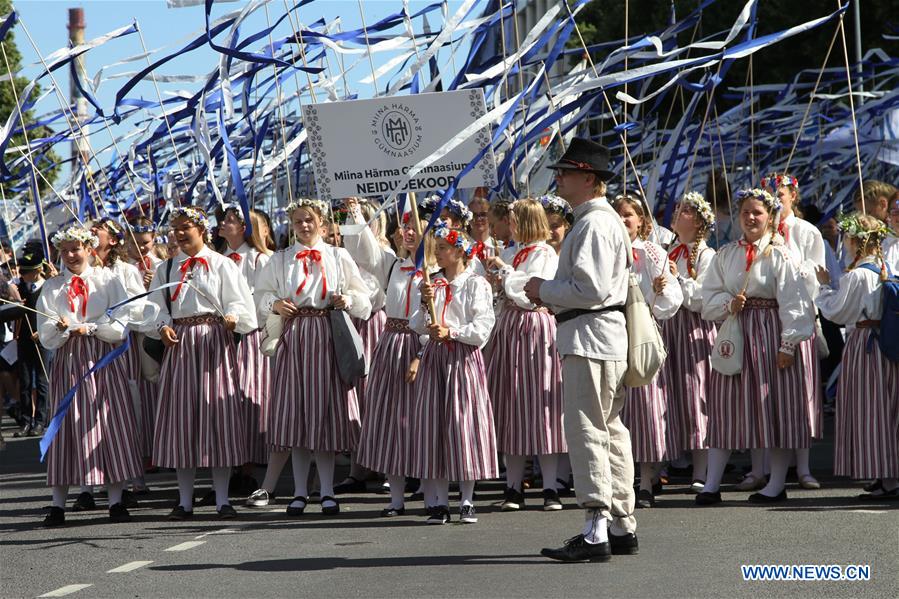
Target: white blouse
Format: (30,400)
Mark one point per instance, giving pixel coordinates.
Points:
(310,277)
(152,259)
(104,289)
(690,287)
(858,298)
(806,245)
(650,262)
(249,261)
(773,275)
(534,260)
(890,248)
(214,288)
(463,305)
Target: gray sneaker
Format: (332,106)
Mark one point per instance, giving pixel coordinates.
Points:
(260,498)
(467,514)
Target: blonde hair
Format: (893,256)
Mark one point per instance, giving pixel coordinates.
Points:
(256,240)
(641,210)
(531,223)
(874,190)
(869,245)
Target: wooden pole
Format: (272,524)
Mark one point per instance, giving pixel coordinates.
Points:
(425,275)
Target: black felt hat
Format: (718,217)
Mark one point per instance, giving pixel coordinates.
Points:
(30,261)
(585,155)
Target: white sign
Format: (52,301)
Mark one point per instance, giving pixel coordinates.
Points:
(367,147)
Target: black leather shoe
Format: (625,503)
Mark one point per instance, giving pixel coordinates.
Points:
(297,511)
(624,544)
(880,495)
(577,549)
(645,499)
(331,509)
(226,512)
(119,513)
(207,499)
(392,512)
(84,502)
(706,498)
(350,485)
(759,498)
(875,485)
(56,517)
(129,499)
(179,513)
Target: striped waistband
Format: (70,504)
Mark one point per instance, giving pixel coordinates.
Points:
(192,321)
(759,303)
(867,324)
(307,312)
(398,325)
(510,305)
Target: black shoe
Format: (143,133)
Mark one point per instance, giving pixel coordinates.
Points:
(551,502)
(577,549)
(880,495)
(512,500)
(331,509)
(624,544)
(875,485)
(119,513)
(207,499)
(226,512)
(645,499)
(657,488)
(129,500)
(179,513)
(563,488)
(467,514)
(438,514)
(297,511)
(759,498)
(56,517)
(38,430)
(706,498)
(84,503)
(27,431)
(350,485)
(392,512)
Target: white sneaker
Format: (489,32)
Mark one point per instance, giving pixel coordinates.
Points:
(260,498)
(697,486)
(467,514)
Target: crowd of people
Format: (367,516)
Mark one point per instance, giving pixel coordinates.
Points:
(502,344)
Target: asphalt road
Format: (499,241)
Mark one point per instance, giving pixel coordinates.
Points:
(685,551)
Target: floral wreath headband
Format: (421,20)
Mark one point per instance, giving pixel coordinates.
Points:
(850,225)
(111,226)
(318,205)
(75,233)
(457,209)
(763,196)
(694,199)
(452,236)
(557,205)
(195,215)
(775,181)
(238,211)
(142,229)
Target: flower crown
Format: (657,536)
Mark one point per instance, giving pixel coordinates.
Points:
(75,233)
(429,204)
(452,236)
(195,215)
(460,211)
(556,205)
(762,195)
(850,225)
(308,203)
(238,211)
(694,200)
(111,226)
(775,181)
(143,229)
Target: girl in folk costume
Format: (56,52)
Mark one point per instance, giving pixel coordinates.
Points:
(201,412)
(867,439)
(688,337)
(484,243)
(806,245)
(645,413)
(140,245)
(881,200)
(313,412)
(524,373)
(384,444)
(452,420)
(559,217)
(763,406)
(97,442)
(250,253)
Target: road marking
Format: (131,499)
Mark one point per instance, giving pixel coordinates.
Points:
(867,511)
(129,567)
(185,546)
(223,531)
(66,590)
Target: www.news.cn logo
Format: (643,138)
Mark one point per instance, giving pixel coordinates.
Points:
(809,572)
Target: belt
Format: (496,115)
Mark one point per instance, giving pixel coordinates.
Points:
(398,325)
(306,312)
(569,314)
(192,321)
(867,324)
(759,303)
(510,305)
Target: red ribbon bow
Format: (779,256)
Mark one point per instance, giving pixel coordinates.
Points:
(235,256)
(77,287)
(144,264)
(681,251)
(186,266)
(315,256)
(784,231)
(448,292)
(751,250)
(634,255)
(412,277)
(478,250)
(522,255)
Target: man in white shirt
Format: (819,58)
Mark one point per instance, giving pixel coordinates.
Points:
(588,295)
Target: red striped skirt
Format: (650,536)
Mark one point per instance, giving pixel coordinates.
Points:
(814,394)
(687,369)
(867,419)
(370,331)
(645,414)
(255,382)
(452,435)
(143,394)
(763,406)
(524,378)
(310,406)
(98,441)
(384,442)
(201,413)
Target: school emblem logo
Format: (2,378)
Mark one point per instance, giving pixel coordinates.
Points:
(726,349)
(396,130)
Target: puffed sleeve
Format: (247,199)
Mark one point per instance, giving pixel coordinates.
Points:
(589,284)
(353,286)
(367,252)
(665,304)
(163,317)
(715,296)
(237,299)
(50,337)
(113,330)
(846,304)
(267,290)
(544,264)
(132,280)
(692,288)
(480,314)
(795,307)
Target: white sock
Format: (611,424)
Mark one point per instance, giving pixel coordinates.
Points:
(466,489)
(780,463)
(717,463)
(115,493)
(549,467)
(397,490)
(301,461)
(595,527)
(700,463)
(220,478)
(515,471)
(648,472)
(276,462)
(758,463)
(324,461)
(60,493)
(802,466)
(185,478)
(441,488)
(428,491)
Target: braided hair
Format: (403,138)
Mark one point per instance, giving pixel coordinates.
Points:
(701,235)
